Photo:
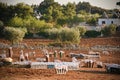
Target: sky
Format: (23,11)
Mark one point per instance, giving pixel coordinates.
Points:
(107,4)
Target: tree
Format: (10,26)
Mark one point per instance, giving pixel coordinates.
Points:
(44,6)
(15,35)
(70,35)
(89,8)
(33,25)
(16,22)
(1,29)
(51,11)
(5,12)
(98,10)
(84,15)
(22,10)
(75,21)
(57,12)
(69,10)
(63,35)
(92,21)
(62,21)
(83,6)
(48,15)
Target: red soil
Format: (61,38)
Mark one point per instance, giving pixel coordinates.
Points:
(7,73)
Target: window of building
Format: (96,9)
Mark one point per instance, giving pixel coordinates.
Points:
(111,22)
(103,22)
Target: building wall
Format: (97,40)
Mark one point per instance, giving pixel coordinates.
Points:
(108,21)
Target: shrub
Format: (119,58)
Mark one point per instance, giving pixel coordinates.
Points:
(70,35)
(1,24)
(15,35)
(109,30)
(63,34)
(92,33)
(16,22)
(81,29)
(92,21)
(1,29)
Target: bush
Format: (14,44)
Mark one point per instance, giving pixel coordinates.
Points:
(54,33)
(70,35)
(1,29)
(92,21)
(15,35)
(1,24)
(33,25)
(81,29)
(16,22)
(92,33)
(60,44)
(109,30)
(63,34)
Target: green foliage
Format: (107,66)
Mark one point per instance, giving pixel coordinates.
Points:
(76,20)
(92,21)
(45,5)
(57,26)
(109,30)
(89,8)
(88,17)
(54,14)
(70,35)
(81,29)
(112,28)
(36,25)
(32,24)
(15,35)
(47,18)
(6,12)
(61,44)
(83,6)
(63,34)
(51,10)
(23,10)
(54,33)
(1,24)
(62,21)
(16,22)
(69,10)
(92,33)
(9,11)
(1,29)
(43,31)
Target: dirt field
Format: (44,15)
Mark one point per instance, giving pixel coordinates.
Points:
(33,74)
(8,73)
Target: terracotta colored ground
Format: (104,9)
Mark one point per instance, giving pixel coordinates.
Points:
(7,73)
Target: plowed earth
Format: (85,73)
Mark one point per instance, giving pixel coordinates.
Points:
(9,73)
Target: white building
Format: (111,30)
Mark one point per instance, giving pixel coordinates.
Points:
(108,21)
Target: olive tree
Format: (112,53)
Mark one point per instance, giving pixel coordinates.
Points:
(15,35)
(16,22)
(70,35)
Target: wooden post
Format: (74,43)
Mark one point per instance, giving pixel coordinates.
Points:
(47,58)
(10,52)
